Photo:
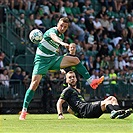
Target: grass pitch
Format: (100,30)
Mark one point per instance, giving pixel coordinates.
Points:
(48,123)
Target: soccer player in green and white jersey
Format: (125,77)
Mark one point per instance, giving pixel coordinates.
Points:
(46,59)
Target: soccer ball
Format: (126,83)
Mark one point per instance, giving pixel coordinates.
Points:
(36,36)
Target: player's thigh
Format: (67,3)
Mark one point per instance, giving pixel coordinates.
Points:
(40,69)
(94,110)
(69,61)
(56,61)
(42,65)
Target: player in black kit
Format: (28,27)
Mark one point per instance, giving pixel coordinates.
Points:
(81,109)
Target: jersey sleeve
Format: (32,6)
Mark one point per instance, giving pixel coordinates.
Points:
(52,31)
(65,94)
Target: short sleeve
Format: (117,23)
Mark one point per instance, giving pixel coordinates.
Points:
(66,93)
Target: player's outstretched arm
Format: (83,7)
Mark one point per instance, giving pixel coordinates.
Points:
(60,108)
(58,40)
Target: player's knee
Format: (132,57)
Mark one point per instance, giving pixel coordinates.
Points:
(114,99)
(110,97)
(76,60)
(34,85)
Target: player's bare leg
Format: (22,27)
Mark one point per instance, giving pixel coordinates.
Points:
(29,95)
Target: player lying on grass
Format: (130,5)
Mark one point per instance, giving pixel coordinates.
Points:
(81,109)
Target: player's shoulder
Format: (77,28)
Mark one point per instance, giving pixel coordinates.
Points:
(68,89)
(53,29)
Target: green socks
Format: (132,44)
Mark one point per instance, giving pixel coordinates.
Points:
(28,97)
(82,71)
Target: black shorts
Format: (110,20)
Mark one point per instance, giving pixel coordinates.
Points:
(91,110)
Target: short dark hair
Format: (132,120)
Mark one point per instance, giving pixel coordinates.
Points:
(70,72)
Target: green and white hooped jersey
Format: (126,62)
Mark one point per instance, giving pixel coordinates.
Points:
(47,47)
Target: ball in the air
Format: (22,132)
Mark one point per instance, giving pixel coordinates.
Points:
(36,36)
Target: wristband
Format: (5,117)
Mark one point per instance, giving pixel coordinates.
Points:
(60,114)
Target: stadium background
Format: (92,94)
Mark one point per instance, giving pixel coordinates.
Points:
(15,25)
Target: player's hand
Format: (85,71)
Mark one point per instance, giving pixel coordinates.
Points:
(63,71)
(95,82)
(66,45)
(61,117)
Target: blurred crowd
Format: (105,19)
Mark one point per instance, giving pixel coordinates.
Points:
(101,29)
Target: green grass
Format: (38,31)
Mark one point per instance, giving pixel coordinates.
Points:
(50,124)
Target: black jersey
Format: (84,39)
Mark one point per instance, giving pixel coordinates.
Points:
(74,100)
(80,107)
